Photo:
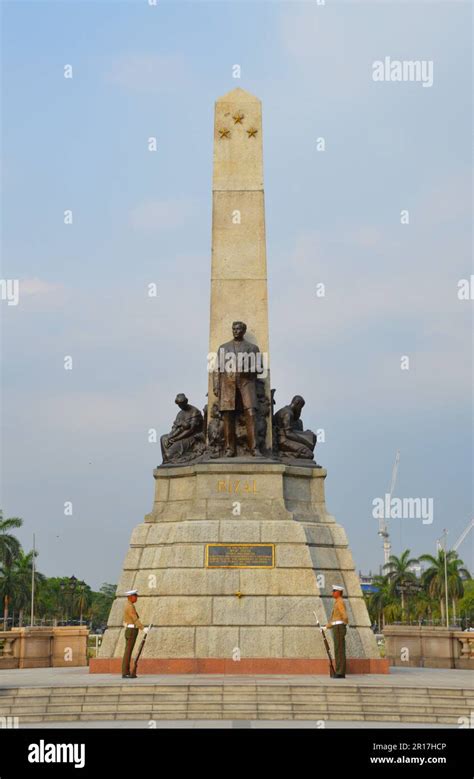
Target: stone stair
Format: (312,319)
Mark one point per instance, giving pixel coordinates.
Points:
(231,701)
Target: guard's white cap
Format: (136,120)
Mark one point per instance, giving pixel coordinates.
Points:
(337,587)
(131,592)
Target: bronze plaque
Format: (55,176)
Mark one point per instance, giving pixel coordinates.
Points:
(240,555)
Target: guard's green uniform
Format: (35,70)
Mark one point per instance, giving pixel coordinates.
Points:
(132,626)
(338,624)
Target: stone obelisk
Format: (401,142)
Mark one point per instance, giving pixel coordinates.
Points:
(239,262)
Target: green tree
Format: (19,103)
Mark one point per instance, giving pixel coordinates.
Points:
(393,612)
(7,589)
(434,579)
(423,606)
(81,599)
(109,590)
(378,601)
(102,603)
(9,544)
(22,575)
(10,548)
(466,604)
(50,604)
(401,579)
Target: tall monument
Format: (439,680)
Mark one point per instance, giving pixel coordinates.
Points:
(238,551)
(239,262)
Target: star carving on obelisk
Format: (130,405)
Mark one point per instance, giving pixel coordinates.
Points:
(238,117)
(225,133)
(252,132)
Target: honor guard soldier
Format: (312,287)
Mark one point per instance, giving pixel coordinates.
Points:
(338,624)
(132,625)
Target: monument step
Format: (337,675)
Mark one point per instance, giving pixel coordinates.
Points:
(350,702)
(58,717)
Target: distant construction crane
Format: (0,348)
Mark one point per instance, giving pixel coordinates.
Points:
(461,538)
(463,535)
(383,528)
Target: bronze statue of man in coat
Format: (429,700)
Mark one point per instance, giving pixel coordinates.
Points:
(235,387)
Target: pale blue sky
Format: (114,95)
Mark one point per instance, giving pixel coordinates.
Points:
(139,217)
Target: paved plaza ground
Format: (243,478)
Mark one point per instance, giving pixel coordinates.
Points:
(398,677)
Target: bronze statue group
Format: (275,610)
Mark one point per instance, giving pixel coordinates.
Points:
(236,422)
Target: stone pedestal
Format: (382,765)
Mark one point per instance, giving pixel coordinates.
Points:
(239,619)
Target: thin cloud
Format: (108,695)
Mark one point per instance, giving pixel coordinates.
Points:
(38,294)
(39,288)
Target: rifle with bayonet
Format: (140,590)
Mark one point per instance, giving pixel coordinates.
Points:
(140,649)
(332,671)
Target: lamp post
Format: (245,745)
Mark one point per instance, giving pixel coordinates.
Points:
(81,589)
(33,585)
(445,537)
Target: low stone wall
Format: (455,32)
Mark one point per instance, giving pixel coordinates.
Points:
(428,647)
(49,647)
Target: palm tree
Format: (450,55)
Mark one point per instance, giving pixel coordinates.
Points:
(434,577)
(423,606)
(466,606)
(392,612)
(7,589)
(22,574)
(9,545)
(400,577)
(82,598)
(380,599)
